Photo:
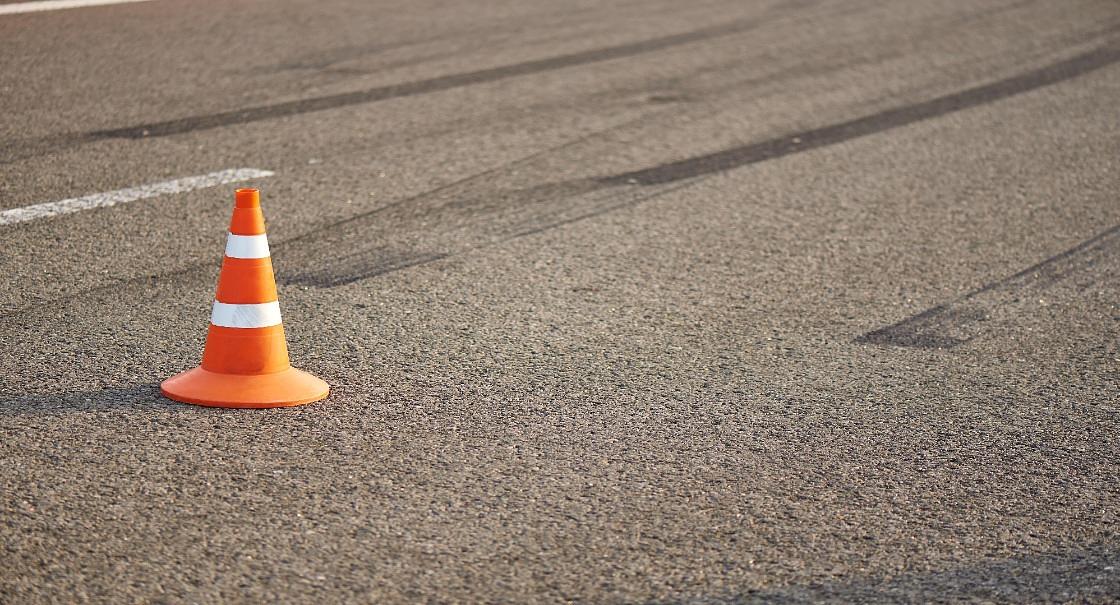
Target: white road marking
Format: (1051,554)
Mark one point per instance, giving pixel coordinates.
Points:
(121,196)
(53,5)
(259,315)
(247,246)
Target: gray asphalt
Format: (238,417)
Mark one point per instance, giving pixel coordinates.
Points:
(632,302)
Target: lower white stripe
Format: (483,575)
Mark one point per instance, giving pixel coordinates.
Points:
(53,5)
(120,196)
(245,316)
(247,246)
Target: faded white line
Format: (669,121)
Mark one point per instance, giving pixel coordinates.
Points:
(54,5)
(121,196)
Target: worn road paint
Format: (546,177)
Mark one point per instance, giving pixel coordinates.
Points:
(54,5)
(121,196)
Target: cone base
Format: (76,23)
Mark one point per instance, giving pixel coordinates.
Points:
(285,388)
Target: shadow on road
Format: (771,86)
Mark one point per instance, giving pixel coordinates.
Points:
(1086,574)
(131,398)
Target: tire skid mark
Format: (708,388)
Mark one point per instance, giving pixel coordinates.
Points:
(952,324)
(479,211)
(753,153)
(464,221)
(278,247)
(381,93)
(463,214)
(363,264)
(469,38)
(418,87)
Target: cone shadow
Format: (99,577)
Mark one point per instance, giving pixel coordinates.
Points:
(144,396)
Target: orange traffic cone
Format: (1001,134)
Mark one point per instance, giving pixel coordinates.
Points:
(245,364)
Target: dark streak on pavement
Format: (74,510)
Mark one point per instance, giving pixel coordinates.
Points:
(728,159)
(382,93)
(379,260)
(951,324)
(407,89)
(868,125)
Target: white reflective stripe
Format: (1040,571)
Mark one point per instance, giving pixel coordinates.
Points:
(247,246)
(245,316)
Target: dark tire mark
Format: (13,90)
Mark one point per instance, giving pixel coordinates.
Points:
(674,172)
(753,153)
(280,247)
(454,224)
(30,148)
(474,36)
(951,324)
(632,200)
(361,265)
(930,329)
(437,84)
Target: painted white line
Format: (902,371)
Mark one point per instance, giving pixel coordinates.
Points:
(259,315)
(54,5)
(247,246)
(121,196)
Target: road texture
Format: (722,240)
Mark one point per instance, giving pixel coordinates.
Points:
(621,302)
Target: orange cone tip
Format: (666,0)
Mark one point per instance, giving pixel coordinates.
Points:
(245,363)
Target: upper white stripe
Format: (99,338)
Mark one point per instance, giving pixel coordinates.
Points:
(259,315)
(247,246)
(120,196)
(53,5)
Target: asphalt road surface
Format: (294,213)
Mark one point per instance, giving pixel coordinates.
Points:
(620,302)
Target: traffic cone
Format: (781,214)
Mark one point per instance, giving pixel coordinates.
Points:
(245,364)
